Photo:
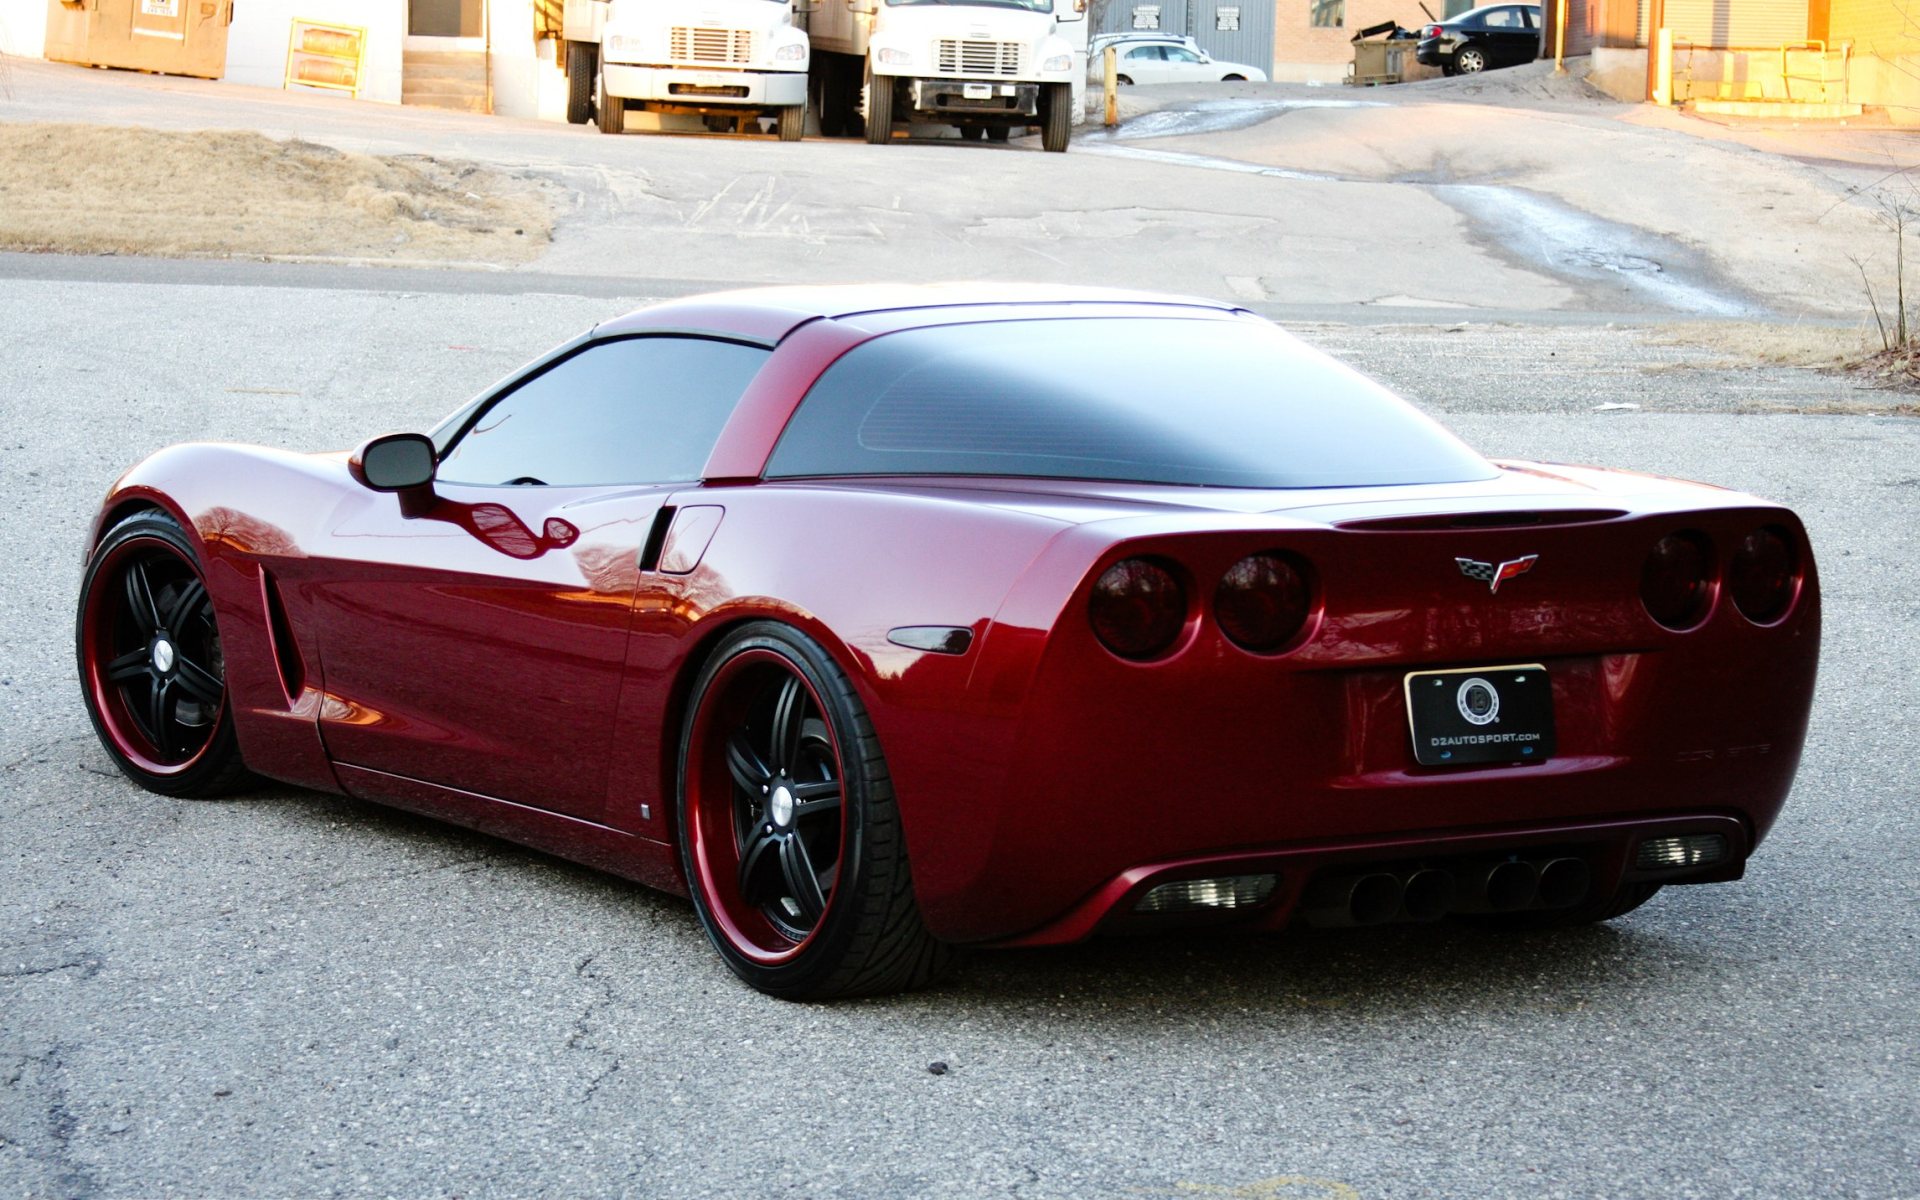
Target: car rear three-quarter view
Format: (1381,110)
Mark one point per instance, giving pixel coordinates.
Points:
(883,621)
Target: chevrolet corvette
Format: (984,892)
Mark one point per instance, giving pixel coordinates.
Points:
(885,621)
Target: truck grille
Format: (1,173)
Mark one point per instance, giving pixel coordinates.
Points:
(979,58)
(691,44)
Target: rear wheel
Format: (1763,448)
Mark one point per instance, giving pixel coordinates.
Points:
(999,133)
(972,133)
(151,665)
(1056,110)
(880,93)
(789,835)
(791,124)
(1470,60)
(582,63)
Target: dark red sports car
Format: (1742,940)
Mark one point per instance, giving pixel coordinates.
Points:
(885,620)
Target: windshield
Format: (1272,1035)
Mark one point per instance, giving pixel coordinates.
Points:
(1226,403)
(1045,6)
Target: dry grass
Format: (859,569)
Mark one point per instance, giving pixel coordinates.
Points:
(1745,344)
(84,189)
(1895,370)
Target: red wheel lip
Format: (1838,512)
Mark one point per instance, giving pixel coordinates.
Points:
(721,904)
(109,710)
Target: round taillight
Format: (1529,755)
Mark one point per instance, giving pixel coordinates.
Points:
(1765,570)
(1261,602)
(1137,608)
(1675,583)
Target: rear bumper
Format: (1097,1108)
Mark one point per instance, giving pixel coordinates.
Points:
(697,88)
(1607,849)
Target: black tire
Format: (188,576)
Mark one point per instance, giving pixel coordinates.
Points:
(790,123)
(1469,60)
(612,111)
(1233,79)
(972,133)
(779,768)
(879,115)
(821,92)
(583,63)
(152,671)
(1123,81)
(999,133)
(1591,912)
(1056,111)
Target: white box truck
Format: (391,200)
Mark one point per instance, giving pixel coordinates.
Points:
(729,61)
(986,66)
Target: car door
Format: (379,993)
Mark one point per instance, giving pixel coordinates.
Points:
(1144,64)
(1184,66)
(478,641)
(1508,37)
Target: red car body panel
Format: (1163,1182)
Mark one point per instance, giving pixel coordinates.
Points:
(502,660)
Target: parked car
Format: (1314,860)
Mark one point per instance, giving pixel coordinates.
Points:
(883,620)
(1496,35)
(1164,58)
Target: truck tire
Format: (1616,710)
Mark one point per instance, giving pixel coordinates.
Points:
(1056,108)
(613,110)
(582,64)
(791,122)
(880,91)
(999,133)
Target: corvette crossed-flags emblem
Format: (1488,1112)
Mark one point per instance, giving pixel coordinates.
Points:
(1494,574)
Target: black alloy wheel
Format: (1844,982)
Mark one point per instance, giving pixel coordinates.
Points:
(789,835)
(152,668)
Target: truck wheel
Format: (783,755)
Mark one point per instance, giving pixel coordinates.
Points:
(1056,108)
(792,122)
(582,61)
(613,109)
(972,133)
(999,133)
(880,90)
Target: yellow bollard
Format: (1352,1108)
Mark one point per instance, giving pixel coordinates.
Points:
(1111,57)
(1560,39)
(1663,67)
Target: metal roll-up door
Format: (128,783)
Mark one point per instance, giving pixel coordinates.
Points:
(1748,24)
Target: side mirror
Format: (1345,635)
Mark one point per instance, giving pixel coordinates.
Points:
(863,7)
(397,462)
(1068,11)
(806,6)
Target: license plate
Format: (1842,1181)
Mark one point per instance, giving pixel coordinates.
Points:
(1481,715)
(712,79)
(977,91)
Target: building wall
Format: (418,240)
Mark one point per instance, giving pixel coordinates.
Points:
(1303,52)
(1884,28)
(23,28)
(257,40)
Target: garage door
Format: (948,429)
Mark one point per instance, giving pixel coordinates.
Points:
(1737,23)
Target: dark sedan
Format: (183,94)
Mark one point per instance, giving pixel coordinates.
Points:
(1497,35)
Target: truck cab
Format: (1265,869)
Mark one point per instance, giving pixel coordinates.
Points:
(987,67)
(728,61)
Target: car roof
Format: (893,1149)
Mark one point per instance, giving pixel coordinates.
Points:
(768,314)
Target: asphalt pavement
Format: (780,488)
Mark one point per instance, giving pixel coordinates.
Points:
(294,994)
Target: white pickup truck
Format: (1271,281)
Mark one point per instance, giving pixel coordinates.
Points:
(985,66)
(729,61)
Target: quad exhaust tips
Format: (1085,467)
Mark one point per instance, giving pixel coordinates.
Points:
(1429,893)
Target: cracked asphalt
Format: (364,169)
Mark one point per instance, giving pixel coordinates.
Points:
(294,994)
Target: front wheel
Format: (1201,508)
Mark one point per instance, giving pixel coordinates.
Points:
(1056,110)
(789,834)
(880,92)
(613,109)
(152,669)
(582,66)
(791,124)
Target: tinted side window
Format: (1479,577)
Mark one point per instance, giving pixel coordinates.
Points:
(640,410)
(1144,52)
(1178,54)
(1503,18)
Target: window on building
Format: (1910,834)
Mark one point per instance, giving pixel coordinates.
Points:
(1329,14)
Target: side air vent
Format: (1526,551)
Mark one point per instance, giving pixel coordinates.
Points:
(286,655)
(1518,519)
